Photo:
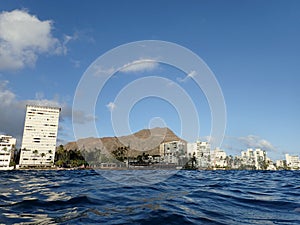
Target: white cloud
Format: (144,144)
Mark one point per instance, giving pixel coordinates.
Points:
(191,74)
(76,63)
(81,117)
(12,110)
(139,66)
(62,48)
(99,71)
(23,37)
(206,138)
(6,96)
(132,67)
(111,106)
(253,141)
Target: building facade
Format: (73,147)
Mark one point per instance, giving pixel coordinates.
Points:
(280,164)
(171,152)
(218,158)
(191,150)
(7,145)
(292,161)
(203,154)
(201,151)
(39,136)
(255,158)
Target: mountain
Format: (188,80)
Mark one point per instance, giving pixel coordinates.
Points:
(146,140)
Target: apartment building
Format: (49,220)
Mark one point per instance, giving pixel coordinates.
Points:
(172,151)
(7,145)
(39,136)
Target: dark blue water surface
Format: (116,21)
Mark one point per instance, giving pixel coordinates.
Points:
(188,197)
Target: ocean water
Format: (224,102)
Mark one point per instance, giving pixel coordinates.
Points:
(186,197)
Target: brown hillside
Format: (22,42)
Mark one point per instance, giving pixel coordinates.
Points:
(146,140)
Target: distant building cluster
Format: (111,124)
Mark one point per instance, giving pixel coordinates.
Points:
(198,155)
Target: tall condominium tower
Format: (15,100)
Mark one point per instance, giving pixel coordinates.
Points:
(39,136)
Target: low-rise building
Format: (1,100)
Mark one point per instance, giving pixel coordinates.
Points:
(171,151)
(7,145)
(271,166)
(255,158)
(292,161)
(280,164)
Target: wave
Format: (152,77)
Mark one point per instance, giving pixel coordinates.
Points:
(187,197)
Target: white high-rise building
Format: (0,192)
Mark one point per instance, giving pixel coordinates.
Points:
(39,137)
(7,144)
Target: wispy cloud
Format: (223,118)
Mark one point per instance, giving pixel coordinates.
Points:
(76,63)
(99,71)
(81,117)
(250,141)
(111,106)
(253,141)
(140,66)
(206,138)
(190,75)
(132,67)
(62,47)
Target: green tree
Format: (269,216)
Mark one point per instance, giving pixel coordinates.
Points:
(59,163)
(69,158)
(191,164)
(42,155)
(120,153)
(35,152)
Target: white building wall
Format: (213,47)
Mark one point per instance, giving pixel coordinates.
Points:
(218,158)
(253,157)
(39,136)
(279,163)
(292,161)
(171,151)
(7,144)
(260,156)
(203,154)
(191,149)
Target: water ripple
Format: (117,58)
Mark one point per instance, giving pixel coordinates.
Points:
(188,197)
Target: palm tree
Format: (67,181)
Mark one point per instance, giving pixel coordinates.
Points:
(42,155)
(194,161)
(35,152)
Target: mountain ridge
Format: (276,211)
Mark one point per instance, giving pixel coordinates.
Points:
(145,140)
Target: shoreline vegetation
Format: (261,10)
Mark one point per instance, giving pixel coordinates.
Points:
(119,160)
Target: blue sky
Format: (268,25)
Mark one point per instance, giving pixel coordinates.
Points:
(253,48)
